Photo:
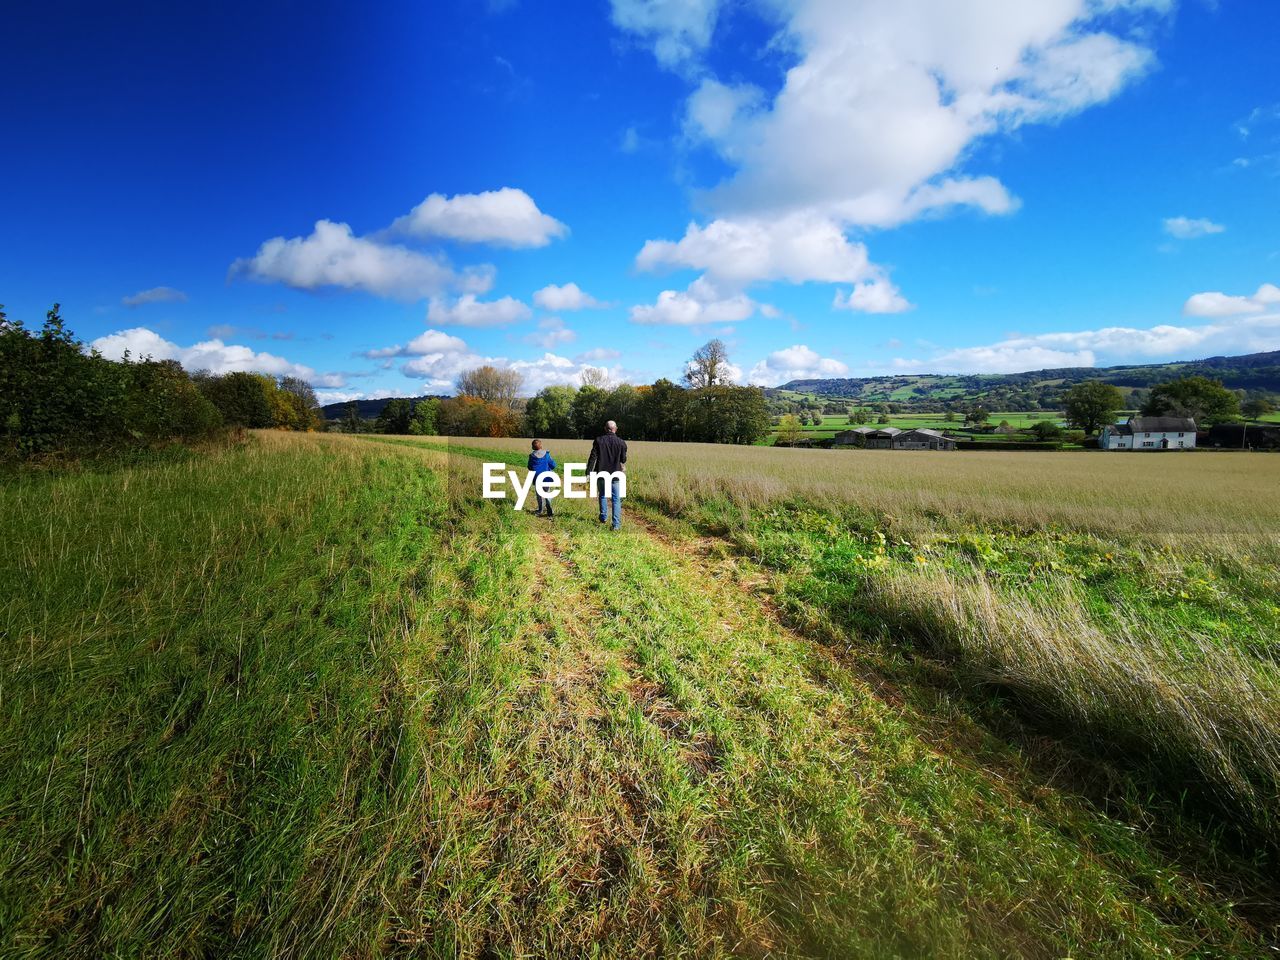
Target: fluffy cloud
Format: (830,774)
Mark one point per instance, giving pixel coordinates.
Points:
(467,311)
(702,303)
(551,332)
(1086,348)
(795,363)
(448,357)
(212,355)
(333,257)
(154,295)
(506,217)
(567,297)
(910,86)
(882,103)
(1184,228)
(797,248)
(874,296)
(679,30)
(1215,304)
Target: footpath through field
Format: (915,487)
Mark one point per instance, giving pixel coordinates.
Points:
(711,781)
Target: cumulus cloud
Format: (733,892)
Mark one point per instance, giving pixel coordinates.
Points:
(567,297)
(1184,228)
(598,355)
(874,296)
(506,217)
(795,363)
(678,30)
(701,303)
(879,110)
(467,311)
(1086,348)
(448,357)
(551,332)
(797,248)
(332,256)
(154,295)
(1217,304)
(212,355)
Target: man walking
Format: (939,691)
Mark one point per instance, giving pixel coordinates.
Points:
(609,455)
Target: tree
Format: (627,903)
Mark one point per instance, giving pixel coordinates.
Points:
(425,417)
(1204,400)
(594,377)
(709,366)
(663,411)
(1045,430)
(550,412)
(589,412)
(816,419)
(789,430)
(883,418)
(312,418)
(1256,407)
(470,416)
(241,398)
(1092,404)
(492,385)
(978,415)
(395,417)
(861,415)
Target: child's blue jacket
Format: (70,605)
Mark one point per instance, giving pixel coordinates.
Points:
(542,464)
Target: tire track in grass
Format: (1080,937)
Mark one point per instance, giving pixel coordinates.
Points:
(832,825)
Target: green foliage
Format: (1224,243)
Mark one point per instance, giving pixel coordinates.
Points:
(1092,405)
(1257,406)
(396,417)
(426,414)
(1046,430)
(1206,401)
(550,412)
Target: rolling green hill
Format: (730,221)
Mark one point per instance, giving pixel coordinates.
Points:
(1035,389)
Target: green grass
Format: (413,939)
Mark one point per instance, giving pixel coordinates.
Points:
(312,696)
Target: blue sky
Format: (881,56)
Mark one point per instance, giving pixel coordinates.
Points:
(379,196)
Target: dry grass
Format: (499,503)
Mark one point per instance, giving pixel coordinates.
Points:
(1199,493)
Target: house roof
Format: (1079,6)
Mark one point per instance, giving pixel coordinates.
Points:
(1161,425)
(885,431)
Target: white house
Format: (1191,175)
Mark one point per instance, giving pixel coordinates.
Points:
(1149,433)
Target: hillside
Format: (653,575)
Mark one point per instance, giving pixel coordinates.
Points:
(1038,388)
(367,409)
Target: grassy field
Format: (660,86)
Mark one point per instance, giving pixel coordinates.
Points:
(311,696)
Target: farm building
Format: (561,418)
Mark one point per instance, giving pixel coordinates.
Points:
(922,439)
(1242,436)
(1149,434)
(891,438)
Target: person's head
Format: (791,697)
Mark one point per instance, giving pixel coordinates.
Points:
(537,444)
(611,427)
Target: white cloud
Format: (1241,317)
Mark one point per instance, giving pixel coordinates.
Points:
(598,355)
(679,30)
(702,303)
(506,217)
(796,248)
(909,86)
(1087,348)
(440,367)
(467,311)
(154,295)
(333,257)
(567,297)
(551,332)
(874,296)
(1184,228)
(212,355)
(795,363)
(1216,304)
(880,108)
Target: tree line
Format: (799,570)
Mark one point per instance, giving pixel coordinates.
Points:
(56,398)
(706,408)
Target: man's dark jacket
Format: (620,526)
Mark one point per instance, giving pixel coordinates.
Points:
(608,454)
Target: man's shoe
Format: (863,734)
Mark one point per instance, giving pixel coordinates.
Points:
(604,519)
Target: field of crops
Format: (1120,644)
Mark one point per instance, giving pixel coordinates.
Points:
(312,695)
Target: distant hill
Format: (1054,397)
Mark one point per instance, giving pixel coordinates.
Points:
(367,409)
(1036,388)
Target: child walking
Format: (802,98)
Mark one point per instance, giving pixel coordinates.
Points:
(540,461)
